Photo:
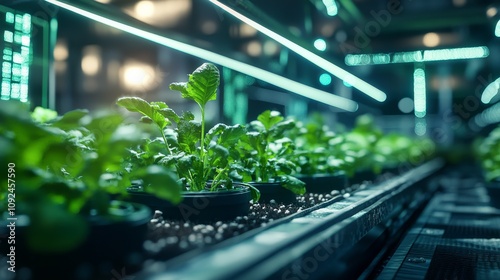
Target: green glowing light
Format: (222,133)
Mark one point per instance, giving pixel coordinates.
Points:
(497,29)
(269,77)
(16,55)
(26,28)
(320,44)
(8,36)
(419,93)
(490,91)
(18,38)
(25,40)
(417,56)
(381,59)
(9,17)
(347,84)
(331,7)
(310,56)
(325,79)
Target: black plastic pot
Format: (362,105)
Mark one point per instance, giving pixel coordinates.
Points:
(493,189)
(274,191)
(114,242)
(203,206)
(325,183)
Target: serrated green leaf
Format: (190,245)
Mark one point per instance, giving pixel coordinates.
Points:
(202,85)
(158,105)
(188,134)
(170,114)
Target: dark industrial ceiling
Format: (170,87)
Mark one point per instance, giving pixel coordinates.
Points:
(360,27)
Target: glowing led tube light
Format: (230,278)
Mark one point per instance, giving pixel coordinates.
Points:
(271,78)
(335,70)
(417,56)
(490,91)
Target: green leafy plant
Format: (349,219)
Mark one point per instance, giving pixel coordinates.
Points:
(67,169)
(489,156)
(199,157)
(316,147)
(264,152)
(358,146)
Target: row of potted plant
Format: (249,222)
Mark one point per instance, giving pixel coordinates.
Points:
(64,175)
(78,175)
(274,157)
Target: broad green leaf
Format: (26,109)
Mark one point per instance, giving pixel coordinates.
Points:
(104,126)
(278,129)
(202,85)
(270,118)
(70,120)
(169,114)
(291,183)
(136,104)
(161,182)
(218,156)
(158,105)
(228,135)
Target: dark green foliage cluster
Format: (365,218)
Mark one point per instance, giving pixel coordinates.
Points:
(68,168)
(321,151)
(488,153)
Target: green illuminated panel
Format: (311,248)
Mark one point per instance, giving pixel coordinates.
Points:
(16,55)
(9,17)
(8,36)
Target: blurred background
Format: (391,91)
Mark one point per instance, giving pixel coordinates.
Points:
(425,68)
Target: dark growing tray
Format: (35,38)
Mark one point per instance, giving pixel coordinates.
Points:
(246,249)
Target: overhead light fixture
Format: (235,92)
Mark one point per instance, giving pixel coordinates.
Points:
(331,7)
(266,76)
(418,56)
(326,65)
(488,116)
(490,91)
(419,89)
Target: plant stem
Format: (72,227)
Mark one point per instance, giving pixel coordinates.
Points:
(202,144)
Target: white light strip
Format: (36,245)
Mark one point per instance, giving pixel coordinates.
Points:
(417,56)
(335,70)
(419,98)
(269,77)
(488,116)
(490,91)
